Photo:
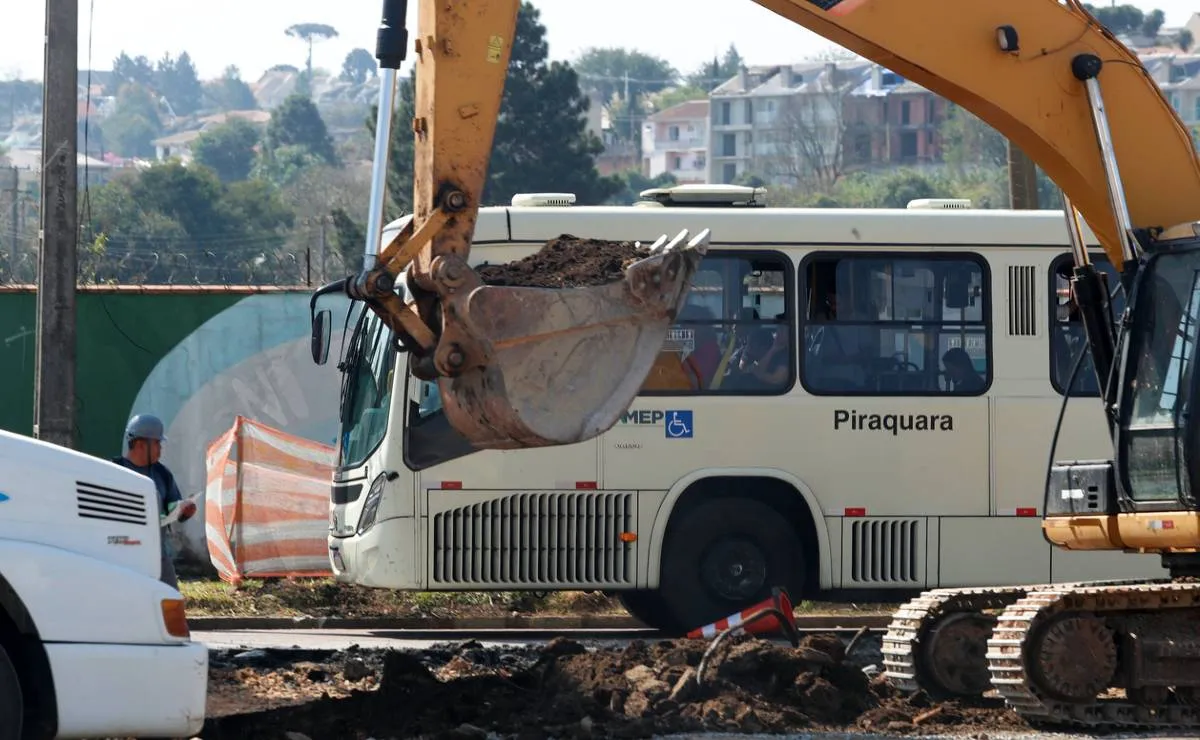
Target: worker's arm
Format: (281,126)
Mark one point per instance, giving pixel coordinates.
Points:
(951,48)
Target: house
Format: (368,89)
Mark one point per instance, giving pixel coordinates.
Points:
(675,142)
(179,144)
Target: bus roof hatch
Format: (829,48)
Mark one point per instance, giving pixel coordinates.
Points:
(708,196)
(543,199)
(932,203)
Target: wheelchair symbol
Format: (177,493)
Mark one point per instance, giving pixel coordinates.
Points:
(679,424)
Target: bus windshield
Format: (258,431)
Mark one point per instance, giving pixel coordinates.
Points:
(366,390)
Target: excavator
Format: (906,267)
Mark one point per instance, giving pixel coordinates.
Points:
(526,367)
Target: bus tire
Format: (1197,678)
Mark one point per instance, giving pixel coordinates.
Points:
(648,607)
(12,700)
(725,555)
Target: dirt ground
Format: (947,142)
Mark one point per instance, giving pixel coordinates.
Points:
(564,690)
(566,262)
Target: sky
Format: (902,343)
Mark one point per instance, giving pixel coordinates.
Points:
(250,33)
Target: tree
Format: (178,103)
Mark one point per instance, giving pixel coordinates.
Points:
(717,71)
(298,123)
(627,75)
(358,66)
(542,141)
(968,142)
(177,81)
(170,222)
(1184,40)
(324,197)
(127,70)
(229,92)
(132,128)
(808,143)
(228,149)
(310,32)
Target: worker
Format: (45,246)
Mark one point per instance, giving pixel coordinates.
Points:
(961,371)
(144,439)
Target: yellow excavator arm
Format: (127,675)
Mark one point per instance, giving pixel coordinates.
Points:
(523,367)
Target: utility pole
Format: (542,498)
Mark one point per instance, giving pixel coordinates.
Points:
(54,370)
(1022,180)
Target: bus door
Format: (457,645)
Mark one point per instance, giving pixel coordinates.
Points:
(894,439)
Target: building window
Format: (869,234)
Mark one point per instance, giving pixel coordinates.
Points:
(729,145)
(735,334)
(676,162)
(729,173)
(886,325)
(905,113)
(1067,337)
(725,114)
(673,133)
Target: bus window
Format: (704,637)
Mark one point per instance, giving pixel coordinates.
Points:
(1067,337)
(885,325)
(735,332)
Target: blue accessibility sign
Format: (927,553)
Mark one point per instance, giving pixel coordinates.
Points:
(678,424)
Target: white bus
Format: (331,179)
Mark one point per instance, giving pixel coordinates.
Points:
(851,464)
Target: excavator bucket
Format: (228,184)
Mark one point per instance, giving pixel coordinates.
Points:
(566,363)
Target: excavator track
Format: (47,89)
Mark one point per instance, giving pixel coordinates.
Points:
(1057,654)
(937,641)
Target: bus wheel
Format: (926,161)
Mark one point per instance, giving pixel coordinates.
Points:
(12,702)
(726,555)
(649,608)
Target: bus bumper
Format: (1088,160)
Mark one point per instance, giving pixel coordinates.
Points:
(385,556)
(121,690)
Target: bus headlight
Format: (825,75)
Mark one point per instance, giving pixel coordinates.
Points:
(370,509)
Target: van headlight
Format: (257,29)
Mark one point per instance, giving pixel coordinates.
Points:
(370,509)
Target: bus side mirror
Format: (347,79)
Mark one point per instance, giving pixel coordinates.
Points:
(321,329)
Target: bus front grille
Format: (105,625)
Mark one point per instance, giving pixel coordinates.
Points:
(558,539)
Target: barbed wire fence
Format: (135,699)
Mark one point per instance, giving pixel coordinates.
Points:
(304,257)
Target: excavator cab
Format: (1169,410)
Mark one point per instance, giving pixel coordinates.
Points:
(515,366)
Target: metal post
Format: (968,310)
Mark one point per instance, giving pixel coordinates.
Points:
(1022,180)
(390,48)
(54,373)
(1086,67)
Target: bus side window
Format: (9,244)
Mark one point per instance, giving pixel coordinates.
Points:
(1067,336)
(892,324)
(707,350)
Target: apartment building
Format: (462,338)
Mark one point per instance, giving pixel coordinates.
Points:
(675,142)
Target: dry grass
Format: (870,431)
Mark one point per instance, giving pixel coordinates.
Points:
(324,597)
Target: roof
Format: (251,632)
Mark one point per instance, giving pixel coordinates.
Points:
(179,139)
(683,111)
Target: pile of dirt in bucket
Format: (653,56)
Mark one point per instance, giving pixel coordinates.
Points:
(564,690)
(566,262)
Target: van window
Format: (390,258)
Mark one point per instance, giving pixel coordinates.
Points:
(735,334)
(1067,336)
(886,324)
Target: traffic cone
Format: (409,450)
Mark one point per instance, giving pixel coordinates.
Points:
(767,616)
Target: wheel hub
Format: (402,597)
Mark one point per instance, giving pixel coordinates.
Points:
(1076,657)
(734,569)
(955,654)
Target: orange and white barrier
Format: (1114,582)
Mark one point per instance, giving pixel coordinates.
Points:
(266,506)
